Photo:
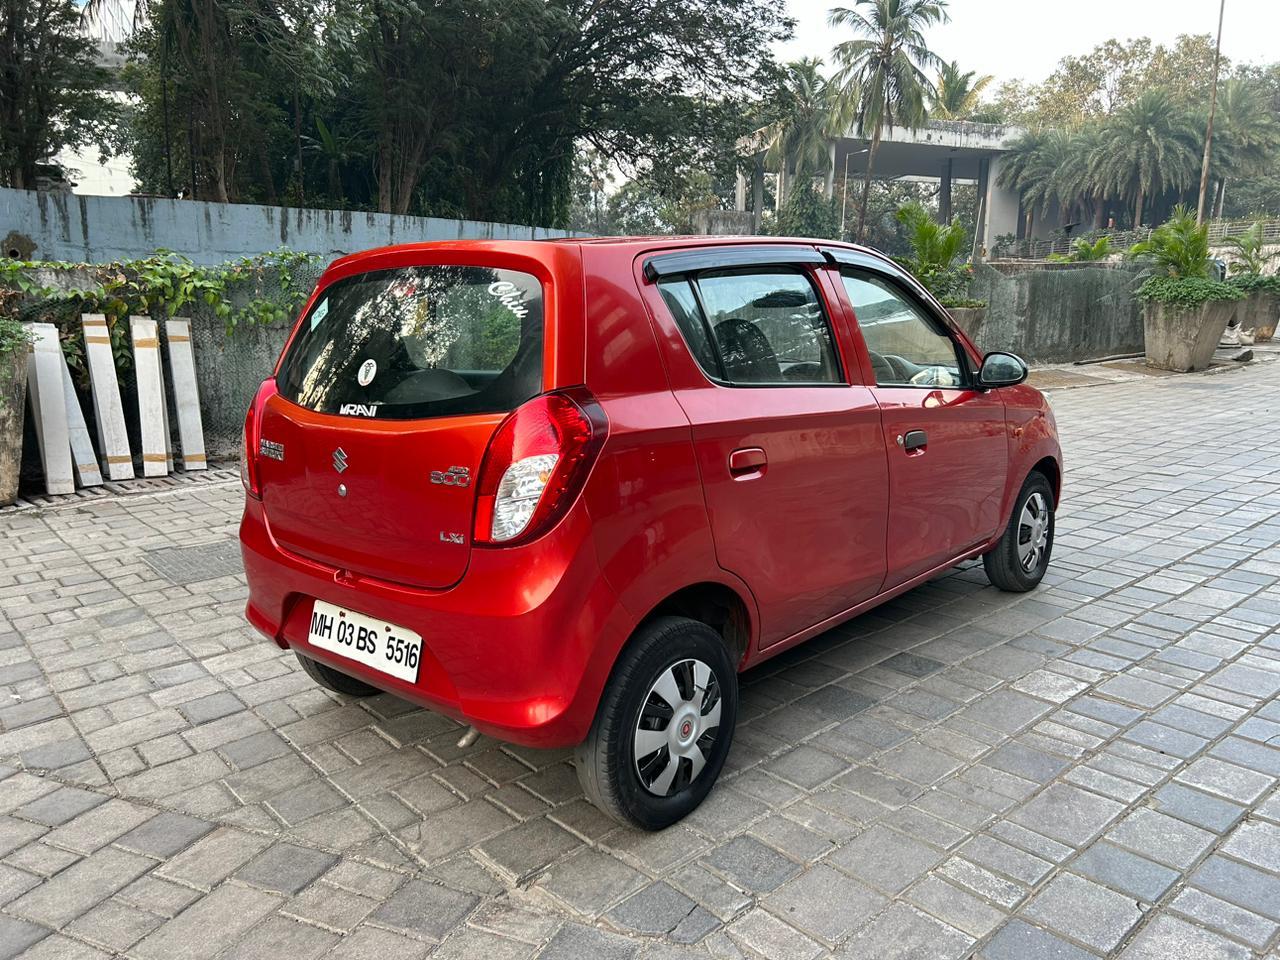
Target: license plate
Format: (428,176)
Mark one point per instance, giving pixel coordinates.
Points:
(382,646)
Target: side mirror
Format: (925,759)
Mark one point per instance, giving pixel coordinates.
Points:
(1001,370)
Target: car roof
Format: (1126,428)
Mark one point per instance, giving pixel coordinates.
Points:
(639,244)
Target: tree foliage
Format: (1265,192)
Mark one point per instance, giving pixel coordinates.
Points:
(883,69)
(50,87)
(472,108)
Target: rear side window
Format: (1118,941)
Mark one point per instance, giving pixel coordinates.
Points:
(758,326)
(418,342)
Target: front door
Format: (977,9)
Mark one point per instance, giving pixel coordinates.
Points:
(791,453)
(946,441)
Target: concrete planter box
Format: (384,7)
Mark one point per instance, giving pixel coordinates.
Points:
(13,387)
(971,320)
(1183,338)
(1258,311)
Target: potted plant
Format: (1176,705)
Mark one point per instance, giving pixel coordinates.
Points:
(1184,311)
(1261,302)
(14,342)
(935,254)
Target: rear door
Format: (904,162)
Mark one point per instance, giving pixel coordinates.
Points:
(946,441)
(790,452)
(388,395)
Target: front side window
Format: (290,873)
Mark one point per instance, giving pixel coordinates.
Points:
(906,345)
(418,342)
(762,326)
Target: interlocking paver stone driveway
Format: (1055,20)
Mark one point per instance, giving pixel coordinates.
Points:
(1088,769)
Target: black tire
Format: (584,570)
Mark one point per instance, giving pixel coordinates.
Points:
(1005,565)
(335,680)
(606,760)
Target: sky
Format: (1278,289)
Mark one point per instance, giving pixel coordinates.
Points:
(1024,39)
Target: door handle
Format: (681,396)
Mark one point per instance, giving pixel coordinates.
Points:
(913,440)
(747,462)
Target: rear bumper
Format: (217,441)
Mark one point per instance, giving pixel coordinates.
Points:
(521,647)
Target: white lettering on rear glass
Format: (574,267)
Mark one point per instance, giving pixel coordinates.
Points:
(512,297)
(358,410)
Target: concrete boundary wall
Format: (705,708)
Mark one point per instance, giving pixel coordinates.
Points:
(57,225)
(1059,313)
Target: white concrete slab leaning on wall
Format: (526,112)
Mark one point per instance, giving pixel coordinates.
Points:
(186,393)
(44,382)
(152,417)
(113,438)
(84,461)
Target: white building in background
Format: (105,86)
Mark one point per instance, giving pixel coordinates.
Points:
(111,24)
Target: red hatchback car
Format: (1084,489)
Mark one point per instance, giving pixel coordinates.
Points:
(564,491)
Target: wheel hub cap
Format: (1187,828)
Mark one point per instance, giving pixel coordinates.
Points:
(1033,532)
(678,725)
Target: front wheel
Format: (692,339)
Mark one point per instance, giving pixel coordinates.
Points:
(1019,561)
(664,725)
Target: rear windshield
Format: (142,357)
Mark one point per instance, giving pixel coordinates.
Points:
(419,342)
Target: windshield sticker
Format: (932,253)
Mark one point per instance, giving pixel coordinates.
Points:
(368,370)
(319,313)
(512,297)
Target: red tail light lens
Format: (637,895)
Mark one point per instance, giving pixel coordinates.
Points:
(536,465)
(250,475)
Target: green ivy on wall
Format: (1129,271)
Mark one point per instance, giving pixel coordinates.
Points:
(163,282)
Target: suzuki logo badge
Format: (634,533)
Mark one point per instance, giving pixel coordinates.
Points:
(340,460)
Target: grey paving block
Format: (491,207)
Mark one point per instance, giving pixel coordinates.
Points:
(1019,940)
(752,865)
(656,910)
(1125,871)
(1085,911)
(1227,917)
(1067,814)
(1240,884)
(590,881)
(825,904)
(1162,838)
(17,935)
(904,933)
(285,868)
(213,707)
(65,803)
(425,909)
(886,859)
(575,942)
(164,835)
(1197,808)
(528,849)
(1166,937)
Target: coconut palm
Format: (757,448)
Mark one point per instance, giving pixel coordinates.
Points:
(1149,148)
(957,92)
(813,111)
(1035,167)
(883,68)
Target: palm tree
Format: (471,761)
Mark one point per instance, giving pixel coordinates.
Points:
(813,111)
(958,92)
(1149,149)
(883,68)
(1245,136)
(1035,167)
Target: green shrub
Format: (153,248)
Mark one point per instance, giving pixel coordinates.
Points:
(1251,257)
(962,303)
(1249,282)
(12,337)
(1177,248)
(1186,291)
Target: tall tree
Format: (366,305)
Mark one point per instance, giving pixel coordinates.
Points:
(884,67)
(812,111)
(50,87)
(958,92)
(1150,147)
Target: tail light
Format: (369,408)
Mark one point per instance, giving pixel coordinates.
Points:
(250,475)
(536,465)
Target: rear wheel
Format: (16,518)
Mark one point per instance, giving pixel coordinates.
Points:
(1019,561)
(335,680)
(664,725)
